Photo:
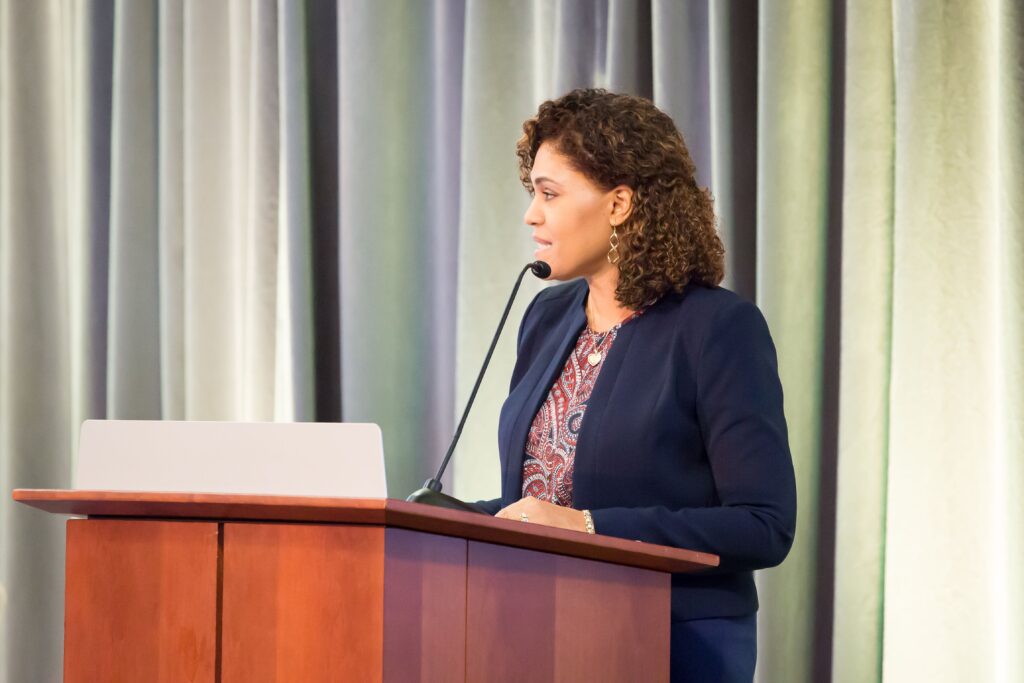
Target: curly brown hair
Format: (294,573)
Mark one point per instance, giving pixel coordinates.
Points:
(670,238)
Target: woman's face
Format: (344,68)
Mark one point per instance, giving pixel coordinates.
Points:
(571,217)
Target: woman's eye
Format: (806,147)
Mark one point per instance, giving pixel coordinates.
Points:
(548,195)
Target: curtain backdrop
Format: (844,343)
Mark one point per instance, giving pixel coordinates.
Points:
(296,210)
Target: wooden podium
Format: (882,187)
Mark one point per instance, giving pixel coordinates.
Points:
(239,588)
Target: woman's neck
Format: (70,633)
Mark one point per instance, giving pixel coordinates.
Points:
(603,310)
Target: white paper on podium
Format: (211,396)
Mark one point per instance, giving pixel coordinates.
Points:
(327,459)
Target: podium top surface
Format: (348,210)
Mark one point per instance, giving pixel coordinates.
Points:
(387,512)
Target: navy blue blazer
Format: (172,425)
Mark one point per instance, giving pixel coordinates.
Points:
(683,441)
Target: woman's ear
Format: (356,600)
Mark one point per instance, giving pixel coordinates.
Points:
(622,204)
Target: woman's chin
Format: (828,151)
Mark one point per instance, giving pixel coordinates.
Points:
(556,272)
(560,269)
(546,256)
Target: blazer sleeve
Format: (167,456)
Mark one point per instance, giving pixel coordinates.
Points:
(740,412)
(489,507)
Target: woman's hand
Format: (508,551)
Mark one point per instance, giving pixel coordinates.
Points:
(540,512)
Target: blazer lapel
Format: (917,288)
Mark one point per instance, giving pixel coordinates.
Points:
(589,439)
(540,379)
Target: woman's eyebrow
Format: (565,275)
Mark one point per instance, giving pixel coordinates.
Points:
(545,179)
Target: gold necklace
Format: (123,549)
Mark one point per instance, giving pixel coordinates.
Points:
(595,356)
(588,311)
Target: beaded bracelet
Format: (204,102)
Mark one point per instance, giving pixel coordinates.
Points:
(588,520)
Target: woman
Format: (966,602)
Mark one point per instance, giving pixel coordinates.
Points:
(645,401)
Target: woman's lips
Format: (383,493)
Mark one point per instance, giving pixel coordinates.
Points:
(541,245)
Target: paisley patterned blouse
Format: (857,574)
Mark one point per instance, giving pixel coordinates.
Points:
(551,444)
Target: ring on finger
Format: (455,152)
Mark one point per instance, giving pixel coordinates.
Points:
(523,517)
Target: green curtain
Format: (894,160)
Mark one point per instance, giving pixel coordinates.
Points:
(795,73)
(930,516)
(297,210)
(867,269)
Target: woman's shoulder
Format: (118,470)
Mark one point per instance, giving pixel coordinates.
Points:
(701,311)
(700,302)
(694,295)
(697,307)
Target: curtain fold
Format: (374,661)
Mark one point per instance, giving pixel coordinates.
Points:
(629,53)
(733,64)
(213,158)
(950,521)
(1008,472)
(170,162)
(141,185)
(133,285)
(398,200)
(294,316)
(681,49)
(865,361)
(35,329)
(792,224)
(494,244)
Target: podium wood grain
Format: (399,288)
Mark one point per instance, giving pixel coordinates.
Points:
(214,588)
(302,603)
(424,607)
(326,603)
(141,604)
(540,617)
(390,513)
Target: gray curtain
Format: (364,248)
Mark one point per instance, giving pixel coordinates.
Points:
(296,210)
(302,210)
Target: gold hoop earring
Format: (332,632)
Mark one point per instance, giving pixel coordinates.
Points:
(613,242)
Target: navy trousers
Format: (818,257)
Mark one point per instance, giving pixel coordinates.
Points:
(720,650)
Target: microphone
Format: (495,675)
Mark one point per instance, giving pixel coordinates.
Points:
(431,494)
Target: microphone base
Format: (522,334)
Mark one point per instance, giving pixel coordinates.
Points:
(437,499)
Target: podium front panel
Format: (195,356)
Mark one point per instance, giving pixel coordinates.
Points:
(216,589)
(302,602)
(534,616)
(424,607)
(141,603)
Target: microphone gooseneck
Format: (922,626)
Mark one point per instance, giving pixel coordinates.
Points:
(431,491)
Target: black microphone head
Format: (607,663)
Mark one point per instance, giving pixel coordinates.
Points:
(540,269)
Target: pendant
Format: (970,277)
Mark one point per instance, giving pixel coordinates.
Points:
(594,358)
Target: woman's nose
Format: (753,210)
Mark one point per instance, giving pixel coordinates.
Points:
(533,215)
